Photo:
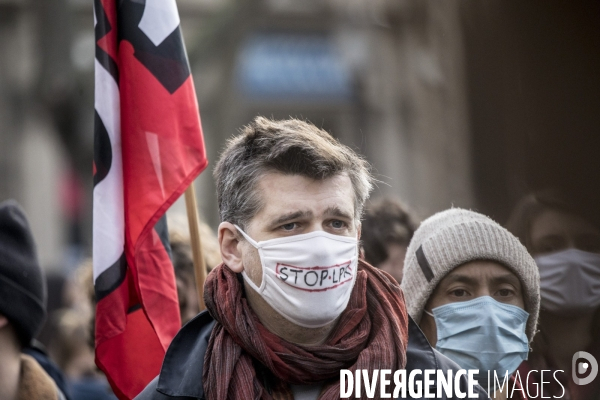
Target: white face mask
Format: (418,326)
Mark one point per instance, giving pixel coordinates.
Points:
(307,278)
(569,281)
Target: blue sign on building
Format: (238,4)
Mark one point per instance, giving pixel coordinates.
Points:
(275,66)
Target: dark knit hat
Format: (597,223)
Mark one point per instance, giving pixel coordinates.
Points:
(22,284)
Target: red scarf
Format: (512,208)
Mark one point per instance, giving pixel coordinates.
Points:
(372,333)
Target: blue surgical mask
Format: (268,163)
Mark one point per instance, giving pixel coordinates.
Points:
(483,334)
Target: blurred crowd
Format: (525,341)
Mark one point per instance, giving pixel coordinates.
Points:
(474,287)
(454,103)
(67,328)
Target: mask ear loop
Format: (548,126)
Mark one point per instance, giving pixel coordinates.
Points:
(248,238)
(428,313)
(244,274)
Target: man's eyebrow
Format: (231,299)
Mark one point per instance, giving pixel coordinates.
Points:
(337,212)
(290,217)
(551,236)
(451,278)
(510,278)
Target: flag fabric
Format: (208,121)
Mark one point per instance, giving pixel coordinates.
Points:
(148,148)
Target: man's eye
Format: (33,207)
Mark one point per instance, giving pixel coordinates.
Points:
(337,224)
(288,227)
(459,292)
(505,292)
(589,243)
(550,245)
(549,248)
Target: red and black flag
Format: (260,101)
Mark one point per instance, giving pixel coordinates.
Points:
(148,148)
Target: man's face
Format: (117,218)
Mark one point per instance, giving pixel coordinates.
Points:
(293,205)
(469,281)
(554,231)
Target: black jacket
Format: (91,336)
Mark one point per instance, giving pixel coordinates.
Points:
(181,373)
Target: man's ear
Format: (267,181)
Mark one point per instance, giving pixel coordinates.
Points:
(229,246)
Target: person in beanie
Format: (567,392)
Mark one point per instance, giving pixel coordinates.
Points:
(475,292)
(292,304)
(22,309)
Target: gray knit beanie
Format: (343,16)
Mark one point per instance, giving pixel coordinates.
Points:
(454,237)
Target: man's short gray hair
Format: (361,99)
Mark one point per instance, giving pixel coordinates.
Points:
(292,147)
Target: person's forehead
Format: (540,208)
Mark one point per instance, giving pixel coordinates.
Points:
(289,192)
(480,272)
(555,222)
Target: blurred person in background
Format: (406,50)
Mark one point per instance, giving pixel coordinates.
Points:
(474,291)
(73,342)
(22,311)
(181,252)
(387,227)
(72,345)
(566,248)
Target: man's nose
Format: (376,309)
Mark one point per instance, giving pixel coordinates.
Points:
(484,291)
(316,225)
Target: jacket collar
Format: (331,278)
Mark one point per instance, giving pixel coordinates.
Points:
(182,369)
(35,383)
(181,372)
(419,353)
